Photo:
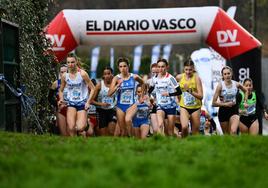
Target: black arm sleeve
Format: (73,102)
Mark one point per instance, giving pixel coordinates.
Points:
(260,102)
(151,88)
(177,93)
(238,98)
(51,97)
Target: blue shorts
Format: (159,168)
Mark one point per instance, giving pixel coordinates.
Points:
(168,111)
(77,107)
(124,107)
(138,122)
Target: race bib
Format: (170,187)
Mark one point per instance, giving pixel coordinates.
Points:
(188,99)
(163,100)
(126,96)
(251,109)
(65,95)
(142,112)
(91,109)
(76,94)
(229,98)
(108,100)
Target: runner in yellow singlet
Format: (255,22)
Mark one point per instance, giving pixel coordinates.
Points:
(190,100)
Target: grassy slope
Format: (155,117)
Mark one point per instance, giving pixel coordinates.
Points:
(51,161)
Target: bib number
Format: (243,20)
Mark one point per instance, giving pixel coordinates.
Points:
(188,99)
(142,112)
(163,100)
(229,98)
(251,109)
(126,97)
(108,100)
(76,95)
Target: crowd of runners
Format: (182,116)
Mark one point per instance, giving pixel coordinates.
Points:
(128,105)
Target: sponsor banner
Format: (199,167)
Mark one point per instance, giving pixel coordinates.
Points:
(94,61)
(141,26)
(166,51)
(248,65)
(137,59)
(203,64)
(155,53)
(228,38)
(61,37)
(148,27)
(208,65)
(112,58)
(218,63)
(231,11)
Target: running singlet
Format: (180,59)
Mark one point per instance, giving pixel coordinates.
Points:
(165,84)
(187,100)
(251,110)
(104,98)
(142,111)
(229,94)
(77,90)
(126,91)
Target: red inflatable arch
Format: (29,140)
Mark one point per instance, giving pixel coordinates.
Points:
(71,28)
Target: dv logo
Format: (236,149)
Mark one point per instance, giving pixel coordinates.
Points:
(56,41)
(227,38)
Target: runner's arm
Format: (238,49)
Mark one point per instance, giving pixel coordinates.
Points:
(199,93)
(113,87)
(89,84)
(96,93)
(216,95)
(62,86)
(138,79)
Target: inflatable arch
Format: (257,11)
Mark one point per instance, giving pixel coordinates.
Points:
(71,28)
(211,25)
(112,27)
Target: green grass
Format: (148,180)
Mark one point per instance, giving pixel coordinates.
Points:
(52,161)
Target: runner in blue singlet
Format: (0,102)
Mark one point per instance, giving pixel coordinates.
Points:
(140,120)
(125,85)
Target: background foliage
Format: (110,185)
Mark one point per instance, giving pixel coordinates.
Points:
(37,67)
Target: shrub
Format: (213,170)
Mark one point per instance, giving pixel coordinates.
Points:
(37,68)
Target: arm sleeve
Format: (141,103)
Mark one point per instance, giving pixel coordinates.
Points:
(260,102)
(51,97)
(177,92)
(151,88)
(238,97)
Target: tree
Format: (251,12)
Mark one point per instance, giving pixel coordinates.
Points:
(37,67)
